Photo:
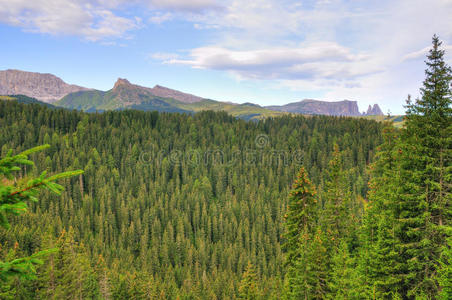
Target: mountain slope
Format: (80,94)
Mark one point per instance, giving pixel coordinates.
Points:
(125,95)
(165,92)
(44,87)
(245,111)
(25,99)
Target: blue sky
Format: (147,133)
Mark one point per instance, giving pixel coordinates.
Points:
(263,51)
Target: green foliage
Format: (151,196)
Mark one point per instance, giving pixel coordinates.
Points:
(157,210)
(13,202)
(445,272)
(301,217)
(306,254)
(249,288)
(181,206)
(408,219)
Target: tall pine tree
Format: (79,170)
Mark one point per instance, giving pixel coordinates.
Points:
(306,256)
(409,218)
(426,167)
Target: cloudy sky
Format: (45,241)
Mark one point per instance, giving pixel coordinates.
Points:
(262,51)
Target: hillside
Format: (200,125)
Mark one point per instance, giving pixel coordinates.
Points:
(26,100)
(156,211)
(125,95)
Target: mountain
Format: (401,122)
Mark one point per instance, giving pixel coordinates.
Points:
(316,107)
(374,111)
(165,92)
(44,87)
(125,95)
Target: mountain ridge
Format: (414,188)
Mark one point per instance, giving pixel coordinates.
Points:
(331,108)
(124,94)
(45,87)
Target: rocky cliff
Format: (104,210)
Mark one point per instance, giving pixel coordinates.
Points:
(316,107)
(374,111)
(45,87)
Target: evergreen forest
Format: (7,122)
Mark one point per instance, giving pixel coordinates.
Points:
(155,205)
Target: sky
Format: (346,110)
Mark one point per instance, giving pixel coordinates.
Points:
(269,52)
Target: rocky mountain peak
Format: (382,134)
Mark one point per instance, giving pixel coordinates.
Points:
(374,110)
(121,82)
(42,86)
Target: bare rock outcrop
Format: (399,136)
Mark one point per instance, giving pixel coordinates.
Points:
(44,87)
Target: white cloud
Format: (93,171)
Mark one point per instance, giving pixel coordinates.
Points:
(389,32)
(73,17)
(163,56)
(159,18)
(185,5)
(316,60)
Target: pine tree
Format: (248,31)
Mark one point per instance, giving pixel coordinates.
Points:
(337,212)
(406,224)
(379,261)
(301,216)
(344,281)
(75,276)
(103,278)
(306,257)
(307,277)
(249,288)
(14,196)
(426,165)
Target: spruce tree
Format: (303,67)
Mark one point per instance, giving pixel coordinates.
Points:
(379,262)
(408,221)
(248,288)
(301,216)
(337,212)
(306,257)
(426,165)
(308,277)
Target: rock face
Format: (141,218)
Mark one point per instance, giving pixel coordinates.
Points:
(44,87)
(316,107)
(374,111)
(129,93)
(164,92)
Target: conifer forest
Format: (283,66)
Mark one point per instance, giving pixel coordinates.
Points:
(130,204)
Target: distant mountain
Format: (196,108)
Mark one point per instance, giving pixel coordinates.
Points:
(165,92)
(44,87)
(125,95)
(374,111)
(317,107)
